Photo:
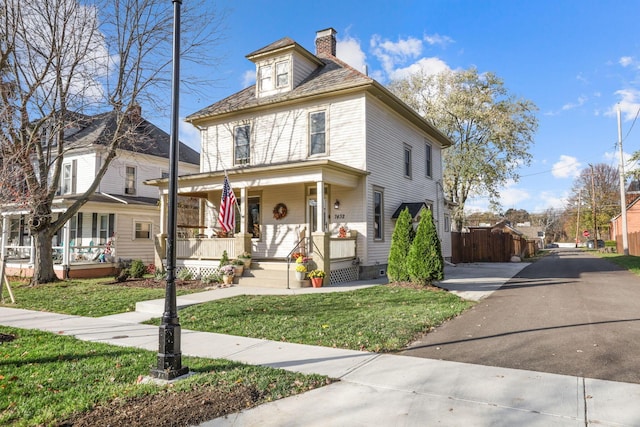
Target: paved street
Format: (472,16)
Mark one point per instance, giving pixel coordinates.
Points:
(569,313)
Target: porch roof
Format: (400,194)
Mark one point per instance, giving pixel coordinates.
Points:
(198,185)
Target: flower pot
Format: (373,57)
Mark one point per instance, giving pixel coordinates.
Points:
(317,282)
(227,280)
(247,262)
(300,275)
(238,269)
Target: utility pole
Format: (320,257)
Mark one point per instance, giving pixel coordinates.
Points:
(623,198)
(593,208)
(578,216)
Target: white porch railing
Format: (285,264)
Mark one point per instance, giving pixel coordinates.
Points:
(342,248)
(194,248)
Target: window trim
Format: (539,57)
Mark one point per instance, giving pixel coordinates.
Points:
(135,229)
(428,164)
(245,160)
(70,168)
(130,191)
(378,235)
(407,163)
(265,73)
(324,133)
(285,65)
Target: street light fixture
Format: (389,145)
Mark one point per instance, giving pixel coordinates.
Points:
(169,355)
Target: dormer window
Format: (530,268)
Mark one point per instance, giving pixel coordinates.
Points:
(266,82)
(282,74)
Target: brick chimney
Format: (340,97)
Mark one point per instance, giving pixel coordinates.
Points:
(326,42)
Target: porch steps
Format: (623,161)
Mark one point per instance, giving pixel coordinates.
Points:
(270,274)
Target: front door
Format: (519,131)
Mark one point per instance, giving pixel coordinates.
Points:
(312,217)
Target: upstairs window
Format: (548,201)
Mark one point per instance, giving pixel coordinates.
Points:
(378,225)
(142,230)
(68,182)
(282,74)
(241,143)
(266,79)
(407,161)
(317,133)
(130,181)
(428,160)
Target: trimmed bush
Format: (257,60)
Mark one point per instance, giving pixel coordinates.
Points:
(137,269)
(185,274)
(400,244)
(425,262)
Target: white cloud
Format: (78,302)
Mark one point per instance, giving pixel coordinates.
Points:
(626,61)
(437,39)
(629,104)
(349,50)
(248,78)
(613,157)
(512,196)
(391,54)
(427,65)
(566,167)
(549,199)
(571,105)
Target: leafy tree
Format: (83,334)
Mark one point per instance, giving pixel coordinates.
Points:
(597,191)
(425,262)
(397,270)
(491,130)
(61,60)
(515,216)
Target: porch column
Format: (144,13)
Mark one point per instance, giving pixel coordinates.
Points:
(66,238)
(32,255)
(5,237)
(163,213)
(243,239)
(321,248)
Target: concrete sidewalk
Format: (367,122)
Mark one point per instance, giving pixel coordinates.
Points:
(378,389)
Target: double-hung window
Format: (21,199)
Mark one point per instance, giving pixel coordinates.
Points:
(130,181)
(378,225)
(242,144)
(428,160)
(142,230)
(317,133)
(407,161)
(266,78)
(282,74)
(68,181)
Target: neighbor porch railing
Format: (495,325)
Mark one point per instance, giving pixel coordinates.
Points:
(206,248)
(77,254)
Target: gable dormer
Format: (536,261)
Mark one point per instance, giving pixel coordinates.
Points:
(284,64)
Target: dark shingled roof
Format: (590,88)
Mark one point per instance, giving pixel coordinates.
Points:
(147,138)
(333,76)
(414,209)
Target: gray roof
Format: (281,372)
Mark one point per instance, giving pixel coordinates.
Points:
(147,138)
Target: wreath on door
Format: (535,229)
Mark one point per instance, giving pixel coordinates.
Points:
(280,211)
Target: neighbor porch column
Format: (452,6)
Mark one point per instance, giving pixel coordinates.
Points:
(321,248)
(5,237)
(66,237)
(243,239)
(163,214)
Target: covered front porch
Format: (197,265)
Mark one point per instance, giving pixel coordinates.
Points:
(279,213)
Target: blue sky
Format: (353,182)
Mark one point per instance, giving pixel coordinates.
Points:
(576,60)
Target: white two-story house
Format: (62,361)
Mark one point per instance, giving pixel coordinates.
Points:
(313,149)
(121,217)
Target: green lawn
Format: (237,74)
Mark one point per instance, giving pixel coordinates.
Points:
(630,262)
(87,297)
(380,318)
(46,378)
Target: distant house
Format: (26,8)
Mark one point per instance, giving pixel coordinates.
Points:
(633,221)
(121,217)
(320,156)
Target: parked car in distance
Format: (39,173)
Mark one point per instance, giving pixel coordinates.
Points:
(592,245)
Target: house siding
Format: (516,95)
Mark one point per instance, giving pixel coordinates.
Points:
(387,135)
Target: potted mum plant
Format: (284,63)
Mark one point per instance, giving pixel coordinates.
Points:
(317,277)
(227,271)
(301,271)
(246,258)
(238,265)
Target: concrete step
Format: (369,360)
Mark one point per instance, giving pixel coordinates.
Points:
(271,275)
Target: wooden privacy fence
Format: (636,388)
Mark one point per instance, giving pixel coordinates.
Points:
(486,246)
(633,240)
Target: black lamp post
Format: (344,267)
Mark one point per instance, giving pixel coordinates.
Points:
(169,355)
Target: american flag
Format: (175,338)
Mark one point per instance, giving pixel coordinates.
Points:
(227,216)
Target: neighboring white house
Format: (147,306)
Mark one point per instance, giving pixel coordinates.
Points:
(312,125)
(121,218)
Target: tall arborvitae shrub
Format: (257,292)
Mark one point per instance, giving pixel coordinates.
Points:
(425,262)
(400,243)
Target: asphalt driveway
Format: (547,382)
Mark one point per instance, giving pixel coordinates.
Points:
(568,313)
